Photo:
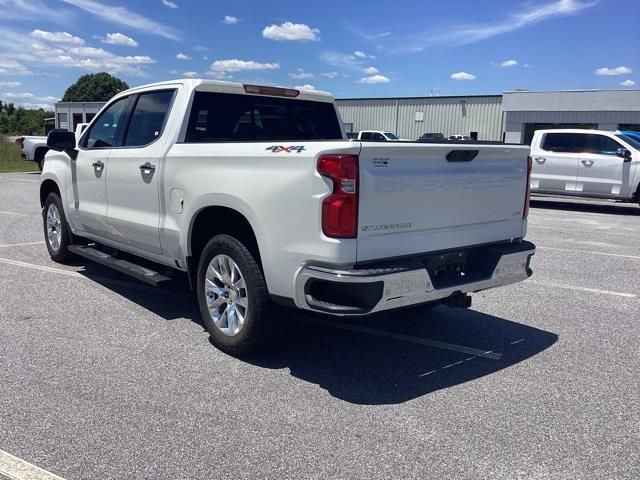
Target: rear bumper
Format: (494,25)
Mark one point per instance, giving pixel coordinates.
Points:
(424,279)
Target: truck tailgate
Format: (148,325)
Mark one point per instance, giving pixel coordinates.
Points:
(417,198)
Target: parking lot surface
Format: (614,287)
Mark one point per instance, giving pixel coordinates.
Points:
(102,377)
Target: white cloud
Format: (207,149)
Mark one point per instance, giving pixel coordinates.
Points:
(28,96)
(291,32)
(416,49)
(374,79)
(9,66)
(360,54)
(21,49)
(123,16)
(330,74)
(306,86)
(200,48)
(190,74)
(371,70)
(10,84)
(628,83)
(230,20)
(32,9)
(119,39)
(169,4)
(36,106)
(301,74)
(621,70)
(366,36)
(464,34)
(183,56)
(344,60)
(90,52)
(462,76)
(509,63)
(56,37)
(235,65)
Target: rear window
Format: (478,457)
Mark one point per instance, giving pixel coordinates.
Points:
(224,117)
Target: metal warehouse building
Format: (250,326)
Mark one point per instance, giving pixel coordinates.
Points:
(512,116)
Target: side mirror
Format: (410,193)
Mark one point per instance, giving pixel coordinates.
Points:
(624,153)
(62,141)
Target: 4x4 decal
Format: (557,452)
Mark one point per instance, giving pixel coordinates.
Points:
(286,149)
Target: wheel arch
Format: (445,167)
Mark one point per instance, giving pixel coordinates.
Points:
(46,187)
(213,220)
(39,153)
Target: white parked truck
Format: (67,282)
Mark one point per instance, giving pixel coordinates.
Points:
(586,163)
(379,136)
(257,195)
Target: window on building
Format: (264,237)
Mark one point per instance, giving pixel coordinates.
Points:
(77,119)
(63,120)
(634,127)
(89,117)
(148,118)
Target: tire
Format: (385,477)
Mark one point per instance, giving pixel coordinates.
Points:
(233,298)
(56,229)
(40,163)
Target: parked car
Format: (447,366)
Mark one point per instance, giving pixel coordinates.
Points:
(277,207)
(631,133)
(587,163)
(379,136)
(460,137)
(431,137)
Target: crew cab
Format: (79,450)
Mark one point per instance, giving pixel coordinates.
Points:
(589,163)
(258,196)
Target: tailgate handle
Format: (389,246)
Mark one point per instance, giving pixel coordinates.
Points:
(461,155)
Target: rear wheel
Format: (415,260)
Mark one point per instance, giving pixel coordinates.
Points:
(233,298)
(40,162)
(56,229)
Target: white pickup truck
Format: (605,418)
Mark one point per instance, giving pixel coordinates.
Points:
(256,193)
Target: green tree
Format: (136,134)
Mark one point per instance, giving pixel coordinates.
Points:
(94,87)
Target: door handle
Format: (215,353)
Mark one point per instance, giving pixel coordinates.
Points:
(587,163)
(540,160)
(97,165)
(147,167)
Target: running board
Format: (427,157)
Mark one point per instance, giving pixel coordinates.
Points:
(136,271)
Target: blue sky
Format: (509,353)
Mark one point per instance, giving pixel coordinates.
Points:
(351,49)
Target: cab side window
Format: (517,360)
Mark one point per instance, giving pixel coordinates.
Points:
(148,118)
(106,131)
(365,136)
(563,142)
(601,145)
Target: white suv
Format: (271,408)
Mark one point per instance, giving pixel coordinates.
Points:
(588,163)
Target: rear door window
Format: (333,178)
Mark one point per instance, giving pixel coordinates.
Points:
(224,117)
(148,117)
(564,142)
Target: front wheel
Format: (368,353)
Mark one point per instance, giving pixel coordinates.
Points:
(56,229)
(233,298)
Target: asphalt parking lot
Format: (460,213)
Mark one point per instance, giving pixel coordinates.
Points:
(102,377)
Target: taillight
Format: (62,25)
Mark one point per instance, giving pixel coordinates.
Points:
(340,209)
(527,197)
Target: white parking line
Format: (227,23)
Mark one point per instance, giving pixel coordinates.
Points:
(632,257)
(17,469)
(582,289)
(33,266)
(9,245)
(407,338)
(17,214)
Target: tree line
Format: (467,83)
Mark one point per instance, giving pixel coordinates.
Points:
(97,87)
(21,121)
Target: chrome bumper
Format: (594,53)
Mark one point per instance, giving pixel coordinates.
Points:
(403,285)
